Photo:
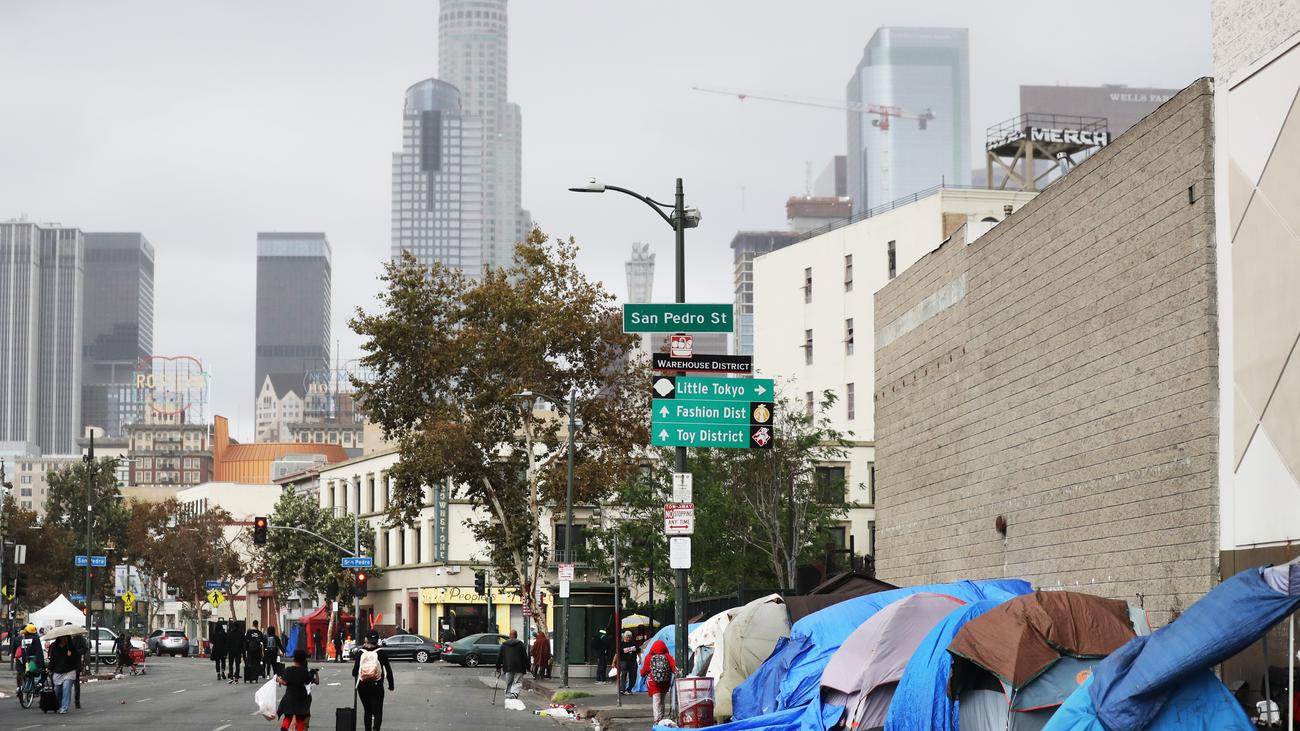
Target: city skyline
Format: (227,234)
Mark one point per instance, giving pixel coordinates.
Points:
(270,171)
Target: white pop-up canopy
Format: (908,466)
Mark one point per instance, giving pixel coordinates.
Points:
(56,614)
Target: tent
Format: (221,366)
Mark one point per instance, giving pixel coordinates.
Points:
(1016,663)
(921,699)
(1154,682)
(319,620)
(669,635)
(863,674)
(746,642)
(704,641)
(833,591)
(56,614)
(791,676)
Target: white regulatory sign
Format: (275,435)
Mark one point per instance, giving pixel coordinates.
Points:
(564,589)
(679,519)
(683,483)
(679,552)
(566,572)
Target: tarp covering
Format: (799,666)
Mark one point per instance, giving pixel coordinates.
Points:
(787,719)
(746,642)
(862,674)
(1132,685)
(791,676)
(921,699)
(833,591)
(668,633)
(1200,703)
(56,614)
(1020,639)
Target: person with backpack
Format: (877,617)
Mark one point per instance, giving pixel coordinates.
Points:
(658,669)
(28,655)
(271,666)
(371,668)
(513,660)
(254,645)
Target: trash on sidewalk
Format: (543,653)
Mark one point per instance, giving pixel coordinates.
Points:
(558,710)
(513,704)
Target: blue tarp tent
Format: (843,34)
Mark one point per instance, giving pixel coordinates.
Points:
(1201,703)
(1131,688)
(294,638)
(791,676)
(668,634)
(921,700)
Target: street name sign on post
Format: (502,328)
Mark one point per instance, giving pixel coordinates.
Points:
(683,487)
(213,584)
(566,572)
(679,317)
(679,519)
(679,552)
(701,363)
(100,561)
(77,597)
(357,562)
(80,560)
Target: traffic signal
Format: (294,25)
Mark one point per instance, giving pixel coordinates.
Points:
(20,586)
(480,582)
(363,583)
(259,531)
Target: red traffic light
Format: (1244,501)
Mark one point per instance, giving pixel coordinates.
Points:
(259,530)
(260,522)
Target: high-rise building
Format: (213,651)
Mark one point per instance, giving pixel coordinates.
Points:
(438,180)
(293,307)
(640,269)
(922,72)
(117,328)
(41,269)
(473,57)
(744,247)
(1121,106)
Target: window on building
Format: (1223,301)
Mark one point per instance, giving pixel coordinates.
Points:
(808,404)
(848,336)
(807,284)
(848,272)
(849,406)
(871,483)
(893,260)
(807,347)
(835,537)
(871,538)
(26,491)
(579,542)
(830,485)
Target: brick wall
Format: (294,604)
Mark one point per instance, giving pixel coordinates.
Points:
(1060,371)
(1245,30)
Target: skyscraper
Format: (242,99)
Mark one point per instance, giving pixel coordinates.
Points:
(456,182)
(746,245)
(41,268)
(293,307)
(640,274)
(920,72)
(117,328)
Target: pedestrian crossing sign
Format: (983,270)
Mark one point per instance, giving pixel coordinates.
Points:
(128,601)
(216,598)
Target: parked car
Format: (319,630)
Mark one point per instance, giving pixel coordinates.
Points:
(474,650)
(411,647)
(102,646)
(169,642)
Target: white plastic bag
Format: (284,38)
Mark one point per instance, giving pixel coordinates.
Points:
(265,700)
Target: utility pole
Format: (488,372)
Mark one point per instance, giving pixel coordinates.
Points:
(679,228)
(89,461)
(568,533)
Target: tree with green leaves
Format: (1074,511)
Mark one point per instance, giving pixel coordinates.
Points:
(50,569)
(301,562)
(449,355)
(199,547)
(65,503)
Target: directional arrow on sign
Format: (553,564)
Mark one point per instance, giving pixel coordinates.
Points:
(663,411)
(663,434)
(759,389)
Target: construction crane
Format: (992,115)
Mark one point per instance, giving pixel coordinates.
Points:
(883,112)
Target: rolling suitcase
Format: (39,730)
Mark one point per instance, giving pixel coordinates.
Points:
(49,699)
(345,719)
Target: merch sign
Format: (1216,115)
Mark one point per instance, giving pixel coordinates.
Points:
(1086,137)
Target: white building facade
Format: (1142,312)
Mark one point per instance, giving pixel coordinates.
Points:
(814,318)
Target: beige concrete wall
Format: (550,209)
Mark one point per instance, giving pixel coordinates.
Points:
(1060,371)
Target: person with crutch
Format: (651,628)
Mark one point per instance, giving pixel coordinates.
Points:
(371,668)
(513,661)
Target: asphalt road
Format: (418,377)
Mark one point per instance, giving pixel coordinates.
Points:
(184,693)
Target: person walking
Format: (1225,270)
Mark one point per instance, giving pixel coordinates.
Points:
(658,669)
(254,646)
(627,650)
(513,661)
(218,648)
(295,707)
(81,646)
(339,637)
(371,668)
(541,654)
(601,651)
(122,653)
(234,652)
(316,645)
(271,656)
(63,668)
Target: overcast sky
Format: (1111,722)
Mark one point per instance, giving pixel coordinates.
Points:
(202,123)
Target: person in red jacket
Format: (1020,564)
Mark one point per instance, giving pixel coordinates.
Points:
(658,669)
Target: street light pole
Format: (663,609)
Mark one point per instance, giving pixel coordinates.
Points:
(89,459)
(568,538)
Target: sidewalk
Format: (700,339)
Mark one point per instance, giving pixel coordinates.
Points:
(602,705)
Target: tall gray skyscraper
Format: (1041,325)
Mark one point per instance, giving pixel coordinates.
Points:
(640,274)
(293,307)
(117,328)
(917,71)
(456,182)
(41,269)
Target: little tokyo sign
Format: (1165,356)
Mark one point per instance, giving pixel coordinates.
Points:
(681,317)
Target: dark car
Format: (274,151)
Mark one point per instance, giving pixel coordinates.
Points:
(411,647)
(474,650)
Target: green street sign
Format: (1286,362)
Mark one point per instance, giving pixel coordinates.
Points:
(696,412)
(705,388)
(726,436)
(681,317)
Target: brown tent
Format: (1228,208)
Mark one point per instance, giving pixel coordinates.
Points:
(833,591)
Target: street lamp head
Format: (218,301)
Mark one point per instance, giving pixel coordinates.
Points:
(526,396)
(690,217)
(591,187)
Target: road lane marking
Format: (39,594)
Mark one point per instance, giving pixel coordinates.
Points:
(142,700)
(221,728)
(34,725)
(182,690)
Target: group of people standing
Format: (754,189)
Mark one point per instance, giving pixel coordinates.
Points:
(257,653)
(603,652)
